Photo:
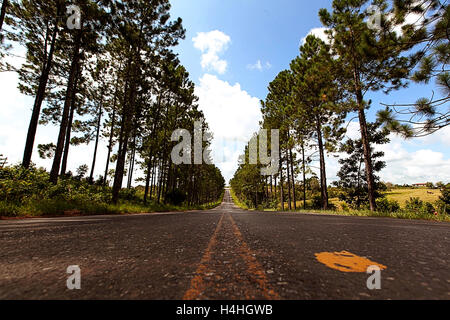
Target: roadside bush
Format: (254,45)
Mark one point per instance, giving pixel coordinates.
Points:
(414,204)
(444,199)
(345,207)
(419,207)
(129,195)
(317,204)
(19,185)
(385,205)
(176,197)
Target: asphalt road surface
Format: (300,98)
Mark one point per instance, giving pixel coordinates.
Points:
(225,253)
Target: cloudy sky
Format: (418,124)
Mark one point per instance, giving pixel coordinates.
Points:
(232,50)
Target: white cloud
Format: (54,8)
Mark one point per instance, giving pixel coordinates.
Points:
(211,44)
(233,116)
(418,166)
(319,33)
(259,66)
(405,166)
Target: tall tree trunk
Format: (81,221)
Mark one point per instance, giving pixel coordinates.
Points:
(127,117)
(127,120)
(40,95)
(367,160)
(281,185)
(148,178)
(294,197)
(160,183)
(67,103)
(97,137)
(111,137)
(289,180)
(67,143)
(132,161)
(113,124)
(271,186)
(275,186)
(323,174)
(304,176)
(152,184)
(365,142)
(69,128)
(5,4)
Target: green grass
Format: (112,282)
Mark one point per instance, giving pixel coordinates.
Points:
(402,214)
(406,215)
(239,203)
(63,208)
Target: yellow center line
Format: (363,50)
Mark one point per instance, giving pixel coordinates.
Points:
(197,283)
(254,267)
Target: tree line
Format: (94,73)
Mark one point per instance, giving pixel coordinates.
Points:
(328,82)
(113,76)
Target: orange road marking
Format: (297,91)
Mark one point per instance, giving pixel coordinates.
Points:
(197,283)
(254,268)
(346,261)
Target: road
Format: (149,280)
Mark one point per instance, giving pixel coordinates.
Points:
(225,253)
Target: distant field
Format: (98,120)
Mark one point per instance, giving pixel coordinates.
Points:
(402,195)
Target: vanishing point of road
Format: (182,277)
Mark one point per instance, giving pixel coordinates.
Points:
(225,253)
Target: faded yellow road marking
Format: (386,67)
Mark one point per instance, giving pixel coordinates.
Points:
(197,283)
(346,261)
(254,268)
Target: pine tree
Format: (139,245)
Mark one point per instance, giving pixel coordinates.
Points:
(145,28)
(36,25)
(427,115)
(80,42)
(371,59)
(317,99)
(353,180)
(5,4)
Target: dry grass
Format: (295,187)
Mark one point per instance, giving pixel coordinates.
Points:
(402,195)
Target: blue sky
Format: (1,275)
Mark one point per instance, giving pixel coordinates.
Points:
(271,32)
(243,44)
(264,30)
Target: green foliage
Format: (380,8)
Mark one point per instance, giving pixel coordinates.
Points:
(353,180)
(176,197)
(82,170)
(385,205)
(28,192)
(19,185)
(444,201)
(431,37)
(129,195)
(418,206)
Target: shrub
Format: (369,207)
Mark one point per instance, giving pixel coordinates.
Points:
(445,199)
(419,207)
(175,197)
(414,204)
(19,185)
(129,195)
(384,205)
(317,204)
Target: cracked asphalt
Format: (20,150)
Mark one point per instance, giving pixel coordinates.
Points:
(225,253)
